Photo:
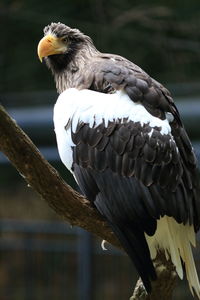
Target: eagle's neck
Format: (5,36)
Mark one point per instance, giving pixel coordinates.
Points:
(72,76)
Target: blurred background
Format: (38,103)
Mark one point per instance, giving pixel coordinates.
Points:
(40,255)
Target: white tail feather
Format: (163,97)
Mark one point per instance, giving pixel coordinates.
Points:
(176,239)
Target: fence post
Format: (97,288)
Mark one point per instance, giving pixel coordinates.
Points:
(85,270)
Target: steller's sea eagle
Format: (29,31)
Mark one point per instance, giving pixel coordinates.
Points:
(120,134)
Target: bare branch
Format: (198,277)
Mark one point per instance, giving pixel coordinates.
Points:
(43,178)
(161,288)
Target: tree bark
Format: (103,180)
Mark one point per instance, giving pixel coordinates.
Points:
(67,203)
(163,287)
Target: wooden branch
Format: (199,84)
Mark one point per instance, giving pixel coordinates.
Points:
(43,178)
(161,288)
(67,203)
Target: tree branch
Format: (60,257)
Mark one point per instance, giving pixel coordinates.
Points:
(67,203)
(163,287)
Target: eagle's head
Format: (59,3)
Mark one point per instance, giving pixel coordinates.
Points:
(60,46)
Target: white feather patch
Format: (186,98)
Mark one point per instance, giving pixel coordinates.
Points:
(93,108)
(176,239)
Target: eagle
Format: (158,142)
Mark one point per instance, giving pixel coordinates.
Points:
(120,134)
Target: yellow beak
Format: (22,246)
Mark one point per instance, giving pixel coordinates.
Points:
(50,45)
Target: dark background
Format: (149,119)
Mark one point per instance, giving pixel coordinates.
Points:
(160,36)
(38,259)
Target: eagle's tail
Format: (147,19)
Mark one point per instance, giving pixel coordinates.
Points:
(176,240)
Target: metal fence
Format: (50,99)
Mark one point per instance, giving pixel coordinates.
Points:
(49,260)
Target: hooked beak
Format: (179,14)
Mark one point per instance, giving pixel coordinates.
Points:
(50,45)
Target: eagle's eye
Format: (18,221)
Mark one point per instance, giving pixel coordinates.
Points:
(65,39)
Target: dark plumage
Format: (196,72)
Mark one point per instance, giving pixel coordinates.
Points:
(130,154)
